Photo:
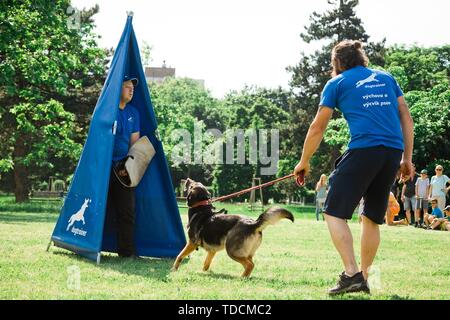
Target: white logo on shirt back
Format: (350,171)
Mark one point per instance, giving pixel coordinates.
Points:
(130,119)
(371,78)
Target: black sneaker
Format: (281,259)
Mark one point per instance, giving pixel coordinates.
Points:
(357,283)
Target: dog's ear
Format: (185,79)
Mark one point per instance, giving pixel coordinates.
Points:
(188,183)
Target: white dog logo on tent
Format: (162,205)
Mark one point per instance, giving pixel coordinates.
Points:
(79,215)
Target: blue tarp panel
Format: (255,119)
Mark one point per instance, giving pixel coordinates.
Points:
(84,225)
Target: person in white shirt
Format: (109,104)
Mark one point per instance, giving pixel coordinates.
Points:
(438,187)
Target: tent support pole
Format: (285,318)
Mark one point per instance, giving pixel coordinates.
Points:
(49,245)
(98,258)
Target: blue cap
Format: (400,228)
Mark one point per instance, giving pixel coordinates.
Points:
(134,80)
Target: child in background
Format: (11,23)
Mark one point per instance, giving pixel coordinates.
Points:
(422,190)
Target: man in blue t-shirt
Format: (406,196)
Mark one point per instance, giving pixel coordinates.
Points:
(121,199)
(381,130)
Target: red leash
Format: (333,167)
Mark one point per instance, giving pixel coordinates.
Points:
(300,182)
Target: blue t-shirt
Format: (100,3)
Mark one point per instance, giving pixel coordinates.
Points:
(437,213)
(127,123)
(368,100)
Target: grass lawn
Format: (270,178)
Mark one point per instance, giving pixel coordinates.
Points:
(295,261)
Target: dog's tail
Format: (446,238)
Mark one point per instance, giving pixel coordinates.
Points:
(272,216)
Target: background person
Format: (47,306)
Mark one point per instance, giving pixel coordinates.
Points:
(360,210)
(408,195)
(438,186)
(442,223)
(392,211)
(422,191)
(321,195)
(436,213)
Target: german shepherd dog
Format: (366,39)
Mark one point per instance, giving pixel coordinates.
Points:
(214,231)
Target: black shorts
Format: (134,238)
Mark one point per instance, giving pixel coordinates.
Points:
(362,173)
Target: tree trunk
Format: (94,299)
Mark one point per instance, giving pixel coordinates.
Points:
(21,188)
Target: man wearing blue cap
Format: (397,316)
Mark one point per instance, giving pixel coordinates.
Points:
(121,198)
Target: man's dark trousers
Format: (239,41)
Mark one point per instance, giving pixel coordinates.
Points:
(121,202)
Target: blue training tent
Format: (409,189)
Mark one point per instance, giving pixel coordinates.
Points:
(84,224)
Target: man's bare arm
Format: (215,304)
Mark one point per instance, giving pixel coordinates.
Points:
(407,125)
(313,138)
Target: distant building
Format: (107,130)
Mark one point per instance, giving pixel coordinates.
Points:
(159,74)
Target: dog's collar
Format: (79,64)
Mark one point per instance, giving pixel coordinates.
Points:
(201,203)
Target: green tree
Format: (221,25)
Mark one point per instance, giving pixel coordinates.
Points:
(254,108)
(338,133)
(430,112)
(44,63)
(423,74)
(312,72)
(339,23)
(146,50)
(181,103)
(423,67)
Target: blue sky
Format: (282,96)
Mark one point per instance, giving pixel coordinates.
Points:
(230,43)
